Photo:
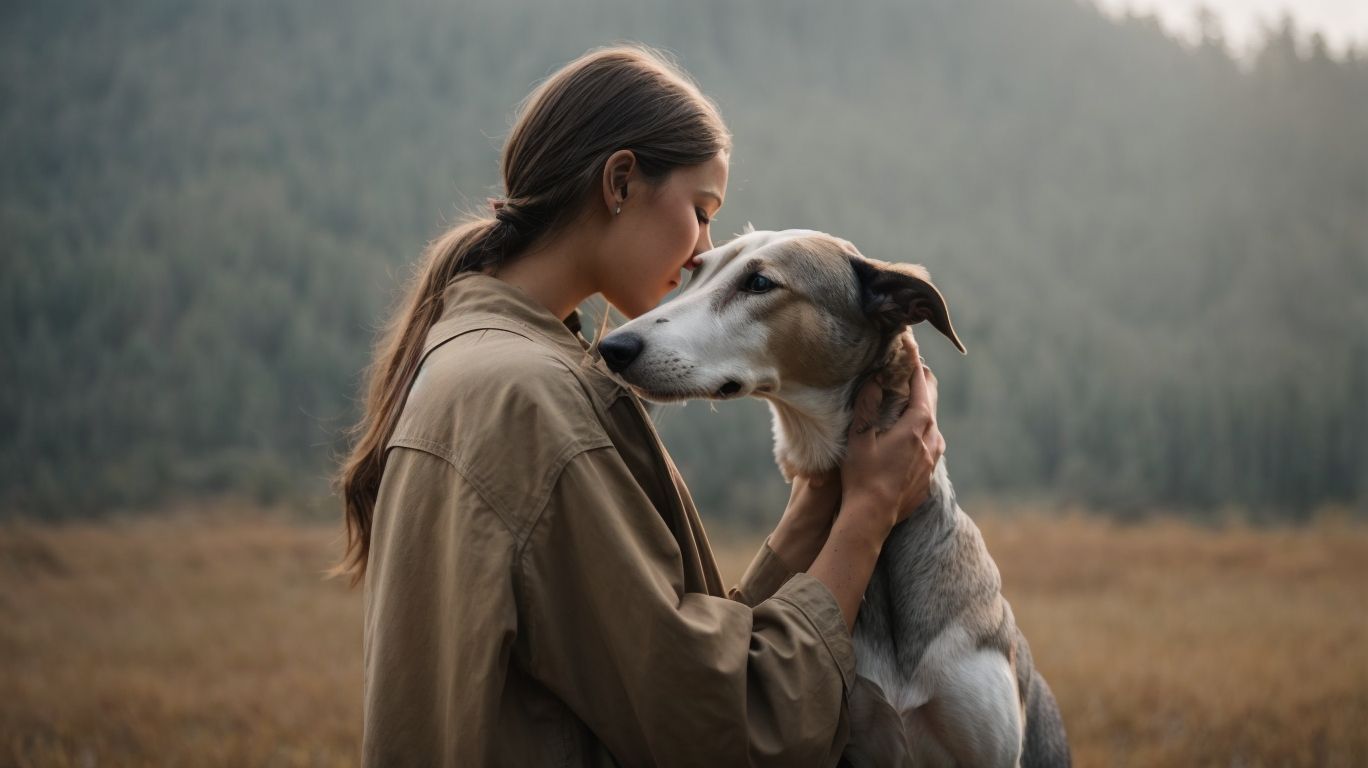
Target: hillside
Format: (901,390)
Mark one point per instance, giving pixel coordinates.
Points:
(1158,260)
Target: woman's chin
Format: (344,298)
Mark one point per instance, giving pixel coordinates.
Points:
(633,307)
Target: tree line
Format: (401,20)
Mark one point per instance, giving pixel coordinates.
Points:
(1156,255)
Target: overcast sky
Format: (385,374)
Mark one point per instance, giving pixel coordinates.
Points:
(1341,22)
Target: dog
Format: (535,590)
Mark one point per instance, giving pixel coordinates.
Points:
(801,319)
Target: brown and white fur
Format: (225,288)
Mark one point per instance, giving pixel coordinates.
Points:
(934,634)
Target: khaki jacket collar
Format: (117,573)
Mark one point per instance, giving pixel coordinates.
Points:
(474,300)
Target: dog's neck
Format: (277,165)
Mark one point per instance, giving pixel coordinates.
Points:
(810,424)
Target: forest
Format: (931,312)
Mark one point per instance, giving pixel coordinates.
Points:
(1155,252)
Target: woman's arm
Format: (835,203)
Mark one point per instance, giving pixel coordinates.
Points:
(661,674)
(801,532)
(884,478)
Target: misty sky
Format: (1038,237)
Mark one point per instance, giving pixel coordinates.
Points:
(1341,22)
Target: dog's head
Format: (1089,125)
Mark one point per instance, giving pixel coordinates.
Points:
(789,316)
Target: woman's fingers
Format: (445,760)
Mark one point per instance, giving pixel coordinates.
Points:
(896,466)
(932,387)
(917,421)
(932,399)
(866,412)
(917,393)
(919,414)
(935,443)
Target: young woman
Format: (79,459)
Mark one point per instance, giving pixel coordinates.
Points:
(539,589)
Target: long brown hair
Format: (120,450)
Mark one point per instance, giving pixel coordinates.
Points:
(624,97)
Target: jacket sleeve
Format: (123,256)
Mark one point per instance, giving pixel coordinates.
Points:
(763,577)
(665,677)
(440,618)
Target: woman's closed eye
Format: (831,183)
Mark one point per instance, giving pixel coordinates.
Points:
(702,216)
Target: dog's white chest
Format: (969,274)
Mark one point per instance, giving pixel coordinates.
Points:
(904,690)
(977,684)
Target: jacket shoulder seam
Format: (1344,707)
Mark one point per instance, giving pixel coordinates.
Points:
(439,451)
(447,450)
(545,502)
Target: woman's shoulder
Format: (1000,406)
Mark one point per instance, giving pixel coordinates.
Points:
(486,361)
(503,409)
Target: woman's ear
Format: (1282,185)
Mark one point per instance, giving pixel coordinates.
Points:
(617,172)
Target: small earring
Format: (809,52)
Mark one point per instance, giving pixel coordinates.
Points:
(619,210)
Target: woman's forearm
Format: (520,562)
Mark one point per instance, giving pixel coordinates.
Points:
(803,529)
(799,536)
(846,560)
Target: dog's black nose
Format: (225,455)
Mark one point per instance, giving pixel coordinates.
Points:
(620,349)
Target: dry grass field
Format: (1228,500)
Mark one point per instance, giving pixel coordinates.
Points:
(185,641)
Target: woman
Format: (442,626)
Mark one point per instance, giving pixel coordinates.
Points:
(539,589)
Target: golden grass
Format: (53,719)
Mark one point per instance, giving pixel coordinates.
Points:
(172,642)
(193,642)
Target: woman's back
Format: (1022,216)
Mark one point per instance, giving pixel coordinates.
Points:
(539,588)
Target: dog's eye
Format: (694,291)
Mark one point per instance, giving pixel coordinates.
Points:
(757,283)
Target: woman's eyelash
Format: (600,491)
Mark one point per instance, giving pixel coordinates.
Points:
(702,217)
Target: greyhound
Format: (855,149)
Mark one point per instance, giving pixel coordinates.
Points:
(801,319)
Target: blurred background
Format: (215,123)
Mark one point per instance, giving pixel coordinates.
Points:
(1150,220)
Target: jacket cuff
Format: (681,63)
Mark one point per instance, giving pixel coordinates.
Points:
(812,598)
(763,577)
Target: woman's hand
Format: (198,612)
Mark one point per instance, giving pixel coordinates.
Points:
(887,475)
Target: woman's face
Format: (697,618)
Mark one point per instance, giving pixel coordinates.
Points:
(659,231)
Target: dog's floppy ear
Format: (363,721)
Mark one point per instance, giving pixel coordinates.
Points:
(898,295)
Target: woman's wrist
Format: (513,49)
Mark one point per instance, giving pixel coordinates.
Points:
(865,519)
(848,556)
(802,530)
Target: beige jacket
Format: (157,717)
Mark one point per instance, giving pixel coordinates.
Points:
(540,589)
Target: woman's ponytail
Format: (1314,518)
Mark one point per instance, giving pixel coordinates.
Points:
(469,247)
